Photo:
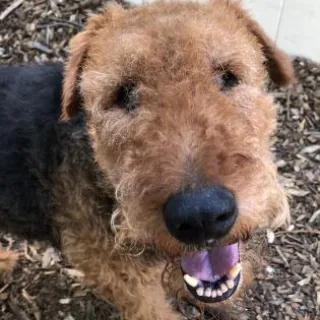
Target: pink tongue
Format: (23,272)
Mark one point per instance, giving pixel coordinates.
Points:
(211,265)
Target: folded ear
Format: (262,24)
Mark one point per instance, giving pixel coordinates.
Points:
(79,46)
(71,100)
(279,65)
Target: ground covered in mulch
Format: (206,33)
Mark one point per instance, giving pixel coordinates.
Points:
(44,286)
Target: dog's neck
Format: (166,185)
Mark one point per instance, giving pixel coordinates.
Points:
(73,150)
(74,171)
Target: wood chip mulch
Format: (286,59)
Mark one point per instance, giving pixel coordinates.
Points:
(44,287)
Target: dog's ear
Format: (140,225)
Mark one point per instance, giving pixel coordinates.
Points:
(71,100)
(79,45)
(279,65)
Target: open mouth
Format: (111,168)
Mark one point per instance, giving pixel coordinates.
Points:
(213,275)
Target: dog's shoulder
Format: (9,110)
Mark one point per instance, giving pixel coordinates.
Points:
(35,87)
(30,106)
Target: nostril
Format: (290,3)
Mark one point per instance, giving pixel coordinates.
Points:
(223,218)
(184,227)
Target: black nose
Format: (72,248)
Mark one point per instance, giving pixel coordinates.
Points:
(198,216)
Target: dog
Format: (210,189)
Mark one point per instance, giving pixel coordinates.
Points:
(154,168)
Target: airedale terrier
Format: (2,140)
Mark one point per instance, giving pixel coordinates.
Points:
(160,153)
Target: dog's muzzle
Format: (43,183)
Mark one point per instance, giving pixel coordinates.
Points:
(200,218)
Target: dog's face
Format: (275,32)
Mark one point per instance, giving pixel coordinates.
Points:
(180,126)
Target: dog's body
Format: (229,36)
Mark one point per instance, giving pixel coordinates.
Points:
(161,153)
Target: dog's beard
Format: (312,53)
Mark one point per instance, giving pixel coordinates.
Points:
(212,274)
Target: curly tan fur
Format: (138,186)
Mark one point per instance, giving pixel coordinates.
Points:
(8,261)
(184,130)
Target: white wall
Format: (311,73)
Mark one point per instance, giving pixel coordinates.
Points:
(293,24)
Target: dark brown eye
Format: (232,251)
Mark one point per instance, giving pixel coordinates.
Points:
(126,96)
(227,80)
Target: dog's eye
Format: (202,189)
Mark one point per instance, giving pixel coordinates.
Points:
(227,80)
(126,96)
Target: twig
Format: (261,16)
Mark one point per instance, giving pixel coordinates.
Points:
(10,9)
(58,24)
(39,2)
(282,257)
(75,24)
(303,231)
(314,216)
(288,104)
(40,47)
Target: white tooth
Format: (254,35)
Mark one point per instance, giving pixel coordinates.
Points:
(219,293)
(230,283)
(200,292)
(214,294)
(234,271)
(223,288)
(191,281)
(207,293)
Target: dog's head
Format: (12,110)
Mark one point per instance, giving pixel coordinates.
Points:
(180,125)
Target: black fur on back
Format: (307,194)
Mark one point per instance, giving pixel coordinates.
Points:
(37,149)
(30,106)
